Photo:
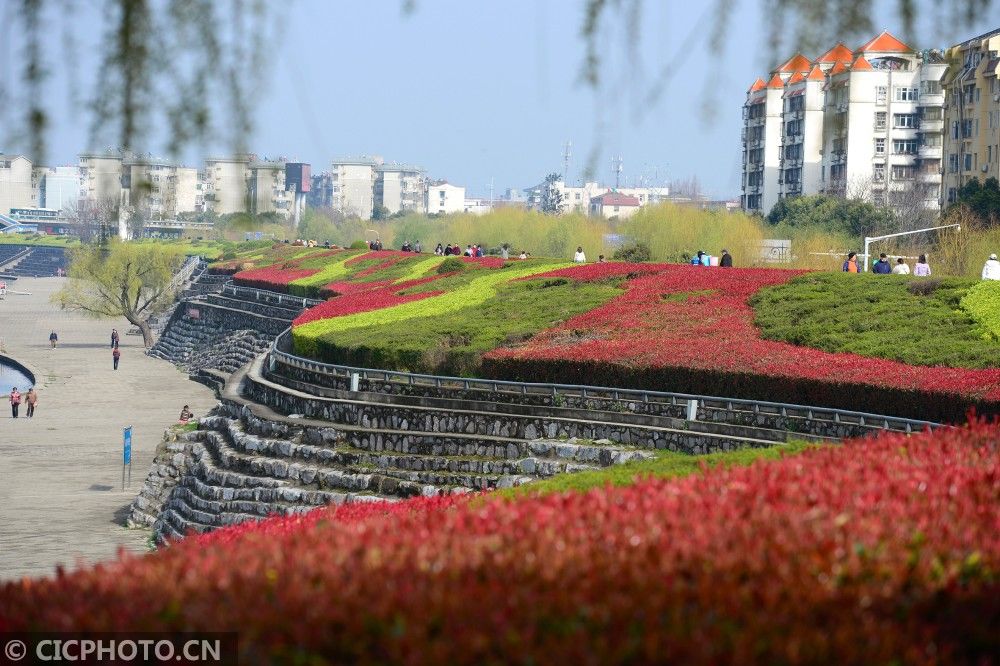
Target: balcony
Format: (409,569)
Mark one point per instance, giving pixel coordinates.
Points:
(931,125)
(929,177)
(931,99)
(931,152)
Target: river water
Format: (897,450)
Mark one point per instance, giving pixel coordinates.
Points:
(11,377)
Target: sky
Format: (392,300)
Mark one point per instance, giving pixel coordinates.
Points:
(477,92)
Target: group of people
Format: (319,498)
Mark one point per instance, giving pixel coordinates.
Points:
(30,399)
(882,266)
(705,259)
(412,247)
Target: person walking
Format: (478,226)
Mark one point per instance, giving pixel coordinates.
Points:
(116,354)
(580,257)
(922,268)
(3,288)
(504,252)
(726,261)
(851,263)
(991,269)
(31,399)
(882,267)
(53,339)
(114,338)
(901,267)
(15,401)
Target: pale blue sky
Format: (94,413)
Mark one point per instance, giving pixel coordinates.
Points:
(475,90)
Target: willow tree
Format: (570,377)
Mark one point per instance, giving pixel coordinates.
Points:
(130,280)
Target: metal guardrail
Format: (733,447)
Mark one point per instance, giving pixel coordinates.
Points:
(237,291)
(762,407)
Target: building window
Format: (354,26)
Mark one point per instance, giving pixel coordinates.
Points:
(879,173)
(966,129)
(880,120)
(968,162)
(905,147)
(953,163)
(904,120)
(903,94)
(933,140)
(930,88)
(836,172)
(880,146)
(952,195)
(880,95)
(903,172)
(792,176)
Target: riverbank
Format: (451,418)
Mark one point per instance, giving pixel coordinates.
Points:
(60,473)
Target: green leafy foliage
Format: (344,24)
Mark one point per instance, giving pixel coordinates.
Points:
(832,214)
(633,252)
(450,333)
(982,302)
(885,316)
(451,265)
(982,198)
(666,464)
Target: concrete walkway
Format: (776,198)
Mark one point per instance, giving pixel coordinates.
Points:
(61,500)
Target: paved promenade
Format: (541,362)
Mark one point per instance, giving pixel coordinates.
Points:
(60,473)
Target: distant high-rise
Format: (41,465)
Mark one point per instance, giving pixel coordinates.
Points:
(861,123)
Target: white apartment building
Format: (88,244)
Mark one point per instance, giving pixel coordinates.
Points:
(226,184)
(189,190)
(862,123)
(101,177)
(614,205)
(477,206)
(444,198)
(353,186)
(17,183)
(971,95)
(400,188)
(266,191)
(160,189)
(58,187)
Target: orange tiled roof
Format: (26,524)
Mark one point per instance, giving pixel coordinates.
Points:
(816,74)
(839,68)
(797,77)
(757,85)
(838,53)
(861,65)
(884,43)
(776,82)
(797,63)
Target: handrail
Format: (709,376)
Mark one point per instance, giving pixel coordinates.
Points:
(835,415)
(300,301)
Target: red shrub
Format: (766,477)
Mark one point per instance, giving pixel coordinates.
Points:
(878,551)
(274,278)
(379,295)
(707,343)
(586,272)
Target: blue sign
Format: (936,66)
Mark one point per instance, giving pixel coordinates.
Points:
(127,437)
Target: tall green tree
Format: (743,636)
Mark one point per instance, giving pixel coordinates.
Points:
(552,199)
(130,280)
(983,199)
(837,214)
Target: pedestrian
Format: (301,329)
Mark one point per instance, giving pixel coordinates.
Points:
(469,252)
(114,338)
(991,270)
(706,259)
(523,255)
(901,267)
(922,268)
(115,355)
(15,401)
(601,259)
(439,250)
(31,399)
(580,257)
(882,267)
(186,415)
(53,339)
(504,252)
(726,261)
(3,288)
(851,263)
(480,253)
(696,259)
(417,247)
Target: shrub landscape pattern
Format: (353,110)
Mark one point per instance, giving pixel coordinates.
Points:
(878,551)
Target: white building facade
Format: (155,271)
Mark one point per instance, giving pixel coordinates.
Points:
(17,183)
(444,198)
(353,187)
(852,123)
(400,188)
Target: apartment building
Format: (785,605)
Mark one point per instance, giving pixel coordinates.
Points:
(58,187)
(579,199)
(864,123)
(17,183)
(226,184)
(971,113)
(101,177)
(352,183)
(266,191)
(400,188)
(160,189)
(443,198)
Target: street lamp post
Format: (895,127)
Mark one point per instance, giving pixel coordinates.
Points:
(872,239)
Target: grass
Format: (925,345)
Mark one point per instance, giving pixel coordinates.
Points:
(452,336)
(920,322)
(982,302)
(667,464)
